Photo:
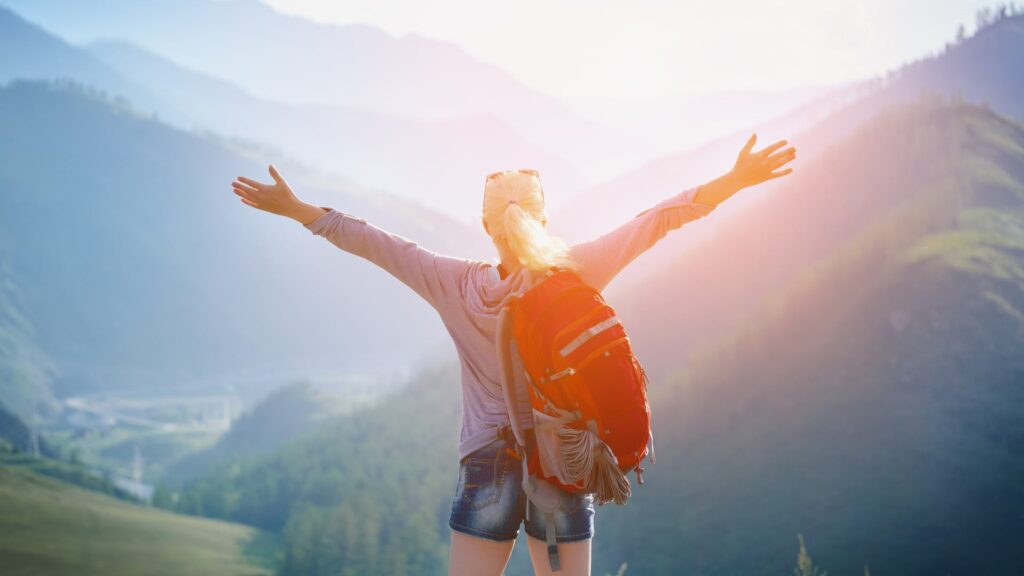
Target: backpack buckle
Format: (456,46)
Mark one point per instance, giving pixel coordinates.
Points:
(562,373)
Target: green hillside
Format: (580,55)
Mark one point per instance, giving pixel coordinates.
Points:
(290,411)
(877,406)
(25,371)
(47,527)
(758,249)
(14,434)
(367,493)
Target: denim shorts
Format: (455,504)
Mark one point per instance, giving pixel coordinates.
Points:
(490,503)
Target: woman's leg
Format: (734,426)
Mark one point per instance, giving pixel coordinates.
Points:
(472,556)
(575,557)
(486,512)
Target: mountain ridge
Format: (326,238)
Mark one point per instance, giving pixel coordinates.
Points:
(330,66)
(145,181)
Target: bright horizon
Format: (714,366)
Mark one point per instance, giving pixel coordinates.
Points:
(579,51)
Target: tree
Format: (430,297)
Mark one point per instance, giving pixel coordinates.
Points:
(804,565)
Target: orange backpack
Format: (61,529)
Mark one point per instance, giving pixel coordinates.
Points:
(587,389)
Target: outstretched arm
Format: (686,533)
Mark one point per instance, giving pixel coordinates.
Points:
(601,259)
(434,277)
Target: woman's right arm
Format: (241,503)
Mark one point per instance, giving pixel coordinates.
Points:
(435,277)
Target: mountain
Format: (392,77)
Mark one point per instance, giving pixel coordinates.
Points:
(287,413)
(983,68)
(367,493)
(980,68)
(875,406)
(29,53)
(52,528)
(14,433)
(138,267)
(25,371)
(349,66)
(683,121)
(755,244)
(51,463)
(365,145)
(424,160)
(812,126)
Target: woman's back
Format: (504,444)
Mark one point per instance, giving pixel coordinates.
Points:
(468,294)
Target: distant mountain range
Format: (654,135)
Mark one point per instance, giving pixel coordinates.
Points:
(374,141)
(353,66)
(190,99)
(983,68)
(754,246)
(137,269)
(289,412)
(428,161)
(28,52)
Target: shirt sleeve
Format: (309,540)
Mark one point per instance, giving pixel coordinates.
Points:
(601,259)
(435,277)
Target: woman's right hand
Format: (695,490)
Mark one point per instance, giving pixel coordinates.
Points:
(276,198)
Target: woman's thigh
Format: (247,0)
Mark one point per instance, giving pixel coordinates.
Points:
(475,556)
(573,520)
(574,556)
(573,523)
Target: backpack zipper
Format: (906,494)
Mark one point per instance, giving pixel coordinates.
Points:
(562,373)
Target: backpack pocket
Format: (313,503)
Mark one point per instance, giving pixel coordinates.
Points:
(482,479)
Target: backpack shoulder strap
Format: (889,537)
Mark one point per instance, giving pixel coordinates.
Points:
(503,344)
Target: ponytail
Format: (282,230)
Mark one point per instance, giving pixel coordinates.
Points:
(514,212)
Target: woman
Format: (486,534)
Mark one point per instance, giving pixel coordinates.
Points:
(489,504)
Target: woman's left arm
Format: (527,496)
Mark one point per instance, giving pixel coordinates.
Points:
(601,259)
(751,168)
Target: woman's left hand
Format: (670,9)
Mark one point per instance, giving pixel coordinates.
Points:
(751,168)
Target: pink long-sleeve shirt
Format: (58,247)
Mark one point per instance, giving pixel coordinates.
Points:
(468,294)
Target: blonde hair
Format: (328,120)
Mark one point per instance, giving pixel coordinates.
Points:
(514,213)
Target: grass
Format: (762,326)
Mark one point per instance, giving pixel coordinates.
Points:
(48,527)
(66,472)
(985,242)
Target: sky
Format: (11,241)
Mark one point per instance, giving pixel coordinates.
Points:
(648,49)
